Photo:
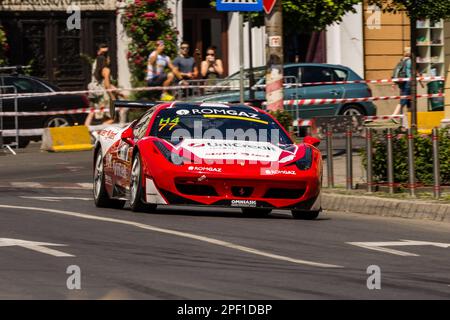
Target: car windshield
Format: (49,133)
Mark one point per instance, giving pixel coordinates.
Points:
(217,122)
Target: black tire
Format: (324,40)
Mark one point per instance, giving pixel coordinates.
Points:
(255,212)
(305,215)
(352,110)
(137,189)
(58,121)
(101,197)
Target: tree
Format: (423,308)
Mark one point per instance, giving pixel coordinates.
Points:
(146,21)
(310,15)
(415,9)
(3,47)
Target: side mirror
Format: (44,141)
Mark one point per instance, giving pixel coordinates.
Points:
(127,136)
(311,140)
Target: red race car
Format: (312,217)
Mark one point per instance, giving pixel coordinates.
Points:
(206,154)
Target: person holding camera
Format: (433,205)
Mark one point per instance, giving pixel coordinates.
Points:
(212,67)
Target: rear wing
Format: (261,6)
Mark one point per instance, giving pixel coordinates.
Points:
(114,104)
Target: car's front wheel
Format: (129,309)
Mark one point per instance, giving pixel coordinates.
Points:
(101,197)
(137,189)
(305,215)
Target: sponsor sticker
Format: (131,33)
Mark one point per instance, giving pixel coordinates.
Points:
(276,171)
(209,169)
(169,123)
(243,203)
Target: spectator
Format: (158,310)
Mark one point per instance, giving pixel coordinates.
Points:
(185,63)
(403,70)
(156,66)
(212,67)
(102,75)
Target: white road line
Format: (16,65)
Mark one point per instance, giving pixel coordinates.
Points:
(56,199)
(379,246)
(26,184)
(86,185)
(179,234)
(35,246)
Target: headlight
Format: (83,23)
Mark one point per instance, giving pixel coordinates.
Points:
(170,156)
(305,162)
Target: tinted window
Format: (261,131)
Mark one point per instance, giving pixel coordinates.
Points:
(339,75)
(22,85)
(217,123)
(141,125)
(316,74)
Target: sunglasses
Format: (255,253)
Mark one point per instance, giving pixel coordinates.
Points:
(210,54)
(184,48)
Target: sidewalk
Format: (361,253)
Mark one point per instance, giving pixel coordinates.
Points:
(378,203)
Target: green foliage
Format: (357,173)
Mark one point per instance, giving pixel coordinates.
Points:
(309,15)
(283,117)
(4,47)
(417,9)
(146,21)
(423,156)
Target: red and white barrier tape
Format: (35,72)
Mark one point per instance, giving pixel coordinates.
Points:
(38,132)
(359,81)
(186,87)
(383,117)
(304,102)
(57,93)
(51,113)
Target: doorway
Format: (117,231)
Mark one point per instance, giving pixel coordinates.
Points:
(54,52)
(203,26)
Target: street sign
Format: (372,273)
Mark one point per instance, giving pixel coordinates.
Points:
(239,5)
(268,5)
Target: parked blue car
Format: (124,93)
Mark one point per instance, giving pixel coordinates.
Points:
(305,73)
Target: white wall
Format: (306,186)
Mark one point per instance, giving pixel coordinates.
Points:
(258,45)
(123,71)
(345,42)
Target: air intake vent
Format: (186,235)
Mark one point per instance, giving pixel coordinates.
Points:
(281,193)
(196,189)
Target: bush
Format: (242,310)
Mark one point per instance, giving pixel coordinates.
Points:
(423,157)
(146,21)
(283,117)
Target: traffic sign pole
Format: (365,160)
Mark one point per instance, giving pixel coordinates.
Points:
(274,51)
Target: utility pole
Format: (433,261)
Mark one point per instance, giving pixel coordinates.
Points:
(274,57)
(413,82)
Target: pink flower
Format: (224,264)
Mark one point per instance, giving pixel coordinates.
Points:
(149,15)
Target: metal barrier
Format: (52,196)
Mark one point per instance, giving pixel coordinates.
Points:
(436,165)
(16,110)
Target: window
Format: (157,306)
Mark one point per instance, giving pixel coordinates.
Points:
(141,125)
(339,75)
(316,74)
(291,75)
(22,85)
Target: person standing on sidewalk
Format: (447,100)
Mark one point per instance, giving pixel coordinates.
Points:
(403,70)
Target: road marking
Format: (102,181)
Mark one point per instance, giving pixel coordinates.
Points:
(47,185)
(26,184)
(379,246)
(56,199)
(35,246)
(179,234)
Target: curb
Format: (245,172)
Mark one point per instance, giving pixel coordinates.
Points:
(399,208)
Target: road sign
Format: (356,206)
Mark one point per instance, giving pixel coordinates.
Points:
(268,5)
(35,246)
(239,5)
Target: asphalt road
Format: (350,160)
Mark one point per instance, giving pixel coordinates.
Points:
(196,253)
